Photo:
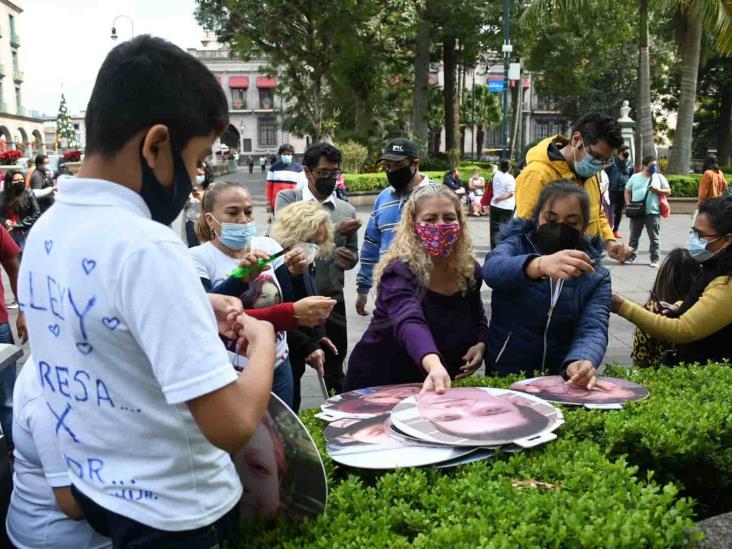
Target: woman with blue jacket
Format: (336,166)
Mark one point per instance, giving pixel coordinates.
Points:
(551,297)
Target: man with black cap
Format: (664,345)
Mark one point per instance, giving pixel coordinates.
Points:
(401,163)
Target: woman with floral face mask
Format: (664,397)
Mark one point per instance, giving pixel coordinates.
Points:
(701,325)
(551,297)
(429,324)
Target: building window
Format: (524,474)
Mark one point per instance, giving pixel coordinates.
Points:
(15,61)
(11,19)
(266,131)
(545,102)
(18,101)
(266,98)
(239,98)
(547,128)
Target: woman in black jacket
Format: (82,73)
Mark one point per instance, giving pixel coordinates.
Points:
(19,208)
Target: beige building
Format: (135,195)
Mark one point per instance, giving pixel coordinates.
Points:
(17,129)
(254,106)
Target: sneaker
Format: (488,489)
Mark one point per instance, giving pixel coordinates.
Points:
(654,264)
(12,305)
(631,260)
(616,234)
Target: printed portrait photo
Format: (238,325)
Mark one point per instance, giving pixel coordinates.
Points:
(369,402)
(280,468)
(472,416)
(607,390)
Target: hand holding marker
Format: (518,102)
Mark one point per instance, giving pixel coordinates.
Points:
(245,272)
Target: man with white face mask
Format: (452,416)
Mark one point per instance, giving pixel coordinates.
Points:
(282,175)
(579,158)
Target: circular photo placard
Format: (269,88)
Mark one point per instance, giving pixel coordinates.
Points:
(280,468)
(370,444)
(607,390)
(477,416)
(368,402)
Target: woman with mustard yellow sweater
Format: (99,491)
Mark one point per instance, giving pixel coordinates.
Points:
(701,326)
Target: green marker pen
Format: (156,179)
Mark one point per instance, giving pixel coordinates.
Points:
(241,272)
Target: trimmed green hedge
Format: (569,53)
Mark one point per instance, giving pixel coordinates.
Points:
(612,479)
(681,185)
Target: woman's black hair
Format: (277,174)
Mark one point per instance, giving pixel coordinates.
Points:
(710,163)
(562,188)
(208,201)
(676,276)
(718,212)
(12,196)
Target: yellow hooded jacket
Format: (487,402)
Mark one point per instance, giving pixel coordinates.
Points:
(541,170)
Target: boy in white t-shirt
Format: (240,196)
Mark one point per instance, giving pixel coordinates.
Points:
(146,406)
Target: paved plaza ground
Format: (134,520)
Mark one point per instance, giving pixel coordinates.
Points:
(633,281)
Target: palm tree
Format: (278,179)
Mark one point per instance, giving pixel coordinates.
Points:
(715,16)
(485,114)
(697,15)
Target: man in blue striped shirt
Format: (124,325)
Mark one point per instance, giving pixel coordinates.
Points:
(401,162)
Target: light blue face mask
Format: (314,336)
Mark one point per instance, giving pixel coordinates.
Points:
(697,247)
(588,166)
(237,236)
(200,179)
(286,158)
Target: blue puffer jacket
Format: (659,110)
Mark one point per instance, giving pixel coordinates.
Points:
(521,316)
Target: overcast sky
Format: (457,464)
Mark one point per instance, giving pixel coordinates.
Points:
(65,42)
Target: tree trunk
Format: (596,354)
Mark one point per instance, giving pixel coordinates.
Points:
(724,148)
(452,113)
(479,139)
(646,146)
(421,79)
(680,159)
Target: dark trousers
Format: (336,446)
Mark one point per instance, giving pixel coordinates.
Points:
(336,328)
(617,203)
(652,224)
(499,217)
(125,532)
(251,168)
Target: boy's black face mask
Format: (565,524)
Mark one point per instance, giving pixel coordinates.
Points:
(165,204)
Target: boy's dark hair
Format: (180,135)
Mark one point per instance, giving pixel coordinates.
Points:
(647,160)
(504,166)
(562,188)
(286,148)
(595,127)
(148,81)
(314,152)
(40,159)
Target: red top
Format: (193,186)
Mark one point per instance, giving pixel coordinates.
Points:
(8,250)
(281,316)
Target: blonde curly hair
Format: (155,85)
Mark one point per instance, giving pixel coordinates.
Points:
(407,247)
(299,222)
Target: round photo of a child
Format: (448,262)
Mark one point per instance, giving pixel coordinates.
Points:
(280,468)
(368,402)
(475,416)
(607,390)
(370,444)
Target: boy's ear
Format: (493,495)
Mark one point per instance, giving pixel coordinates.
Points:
(156,145)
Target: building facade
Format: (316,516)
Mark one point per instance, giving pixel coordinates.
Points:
(254,129)
(18,130)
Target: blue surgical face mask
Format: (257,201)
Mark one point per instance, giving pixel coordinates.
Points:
(652,169)
(237,236)
(588,166)
(200,179)
(698,248)
(286,158)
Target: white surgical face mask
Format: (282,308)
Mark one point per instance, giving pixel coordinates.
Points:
(310,249)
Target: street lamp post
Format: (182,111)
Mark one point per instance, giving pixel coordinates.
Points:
(507,49)
(114,36)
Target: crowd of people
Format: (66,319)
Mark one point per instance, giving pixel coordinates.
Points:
(153,362)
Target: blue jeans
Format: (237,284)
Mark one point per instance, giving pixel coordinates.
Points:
(7,382)
(282,383)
